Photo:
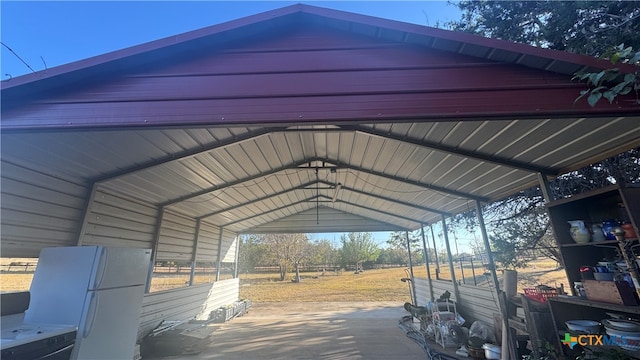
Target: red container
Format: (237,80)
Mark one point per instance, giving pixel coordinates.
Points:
(629,231)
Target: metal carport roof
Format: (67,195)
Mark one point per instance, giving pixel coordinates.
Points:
(306,119)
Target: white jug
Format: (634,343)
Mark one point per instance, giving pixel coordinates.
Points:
(579,232)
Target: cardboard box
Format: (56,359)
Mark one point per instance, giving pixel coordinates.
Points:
(612,292)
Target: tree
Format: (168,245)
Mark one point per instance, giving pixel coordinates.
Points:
(252,253)
(323,253)
(287,250)
(610,83)
(519,223)
(358,247)
(585,27)
(595,28)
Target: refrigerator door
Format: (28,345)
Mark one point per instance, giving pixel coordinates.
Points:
(120,266)
(110,328)
(60,284)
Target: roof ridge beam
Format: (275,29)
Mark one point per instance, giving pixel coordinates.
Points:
(271,210)
(326,197)
(237,206)
(378,211)
(237,182)
(395,201)
(457,151)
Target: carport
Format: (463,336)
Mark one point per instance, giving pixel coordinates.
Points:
(301,119)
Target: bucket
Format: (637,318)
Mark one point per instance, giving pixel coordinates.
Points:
(492,351)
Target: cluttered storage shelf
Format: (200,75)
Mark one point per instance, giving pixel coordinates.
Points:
(596,233)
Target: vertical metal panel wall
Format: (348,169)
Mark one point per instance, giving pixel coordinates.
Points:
(114,220)
(422,291)
(475,303)
(222,293)
(38,210)
(480,303)
(176,237)
(208,242)
(229,246)
(171,305)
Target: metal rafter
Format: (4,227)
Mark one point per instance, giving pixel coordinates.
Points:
(457,151)
(184,154)
(436,188)
(266,197)
(237,182)
(395,201)
(327,197)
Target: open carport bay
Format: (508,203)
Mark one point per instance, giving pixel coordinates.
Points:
(327,330)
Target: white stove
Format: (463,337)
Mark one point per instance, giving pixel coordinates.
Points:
(20,340)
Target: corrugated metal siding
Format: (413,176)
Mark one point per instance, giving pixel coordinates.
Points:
(475,303)
(440,286)
(38,210)
(114,220)
(176,304)
(208,240)
(422,291)
(222,293)
(177,235)
(229,246)
(478,303)
(343,76)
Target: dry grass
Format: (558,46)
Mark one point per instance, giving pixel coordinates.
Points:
(372,285)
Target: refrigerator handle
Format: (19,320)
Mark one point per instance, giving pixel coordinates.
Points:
(91,315)
(102,267)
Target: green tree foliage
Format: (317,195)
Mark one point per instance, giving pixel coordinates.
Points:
(285,251)
(610,83)
(607,29)
(519,223)
(584,27)
(358,248)
(252,253)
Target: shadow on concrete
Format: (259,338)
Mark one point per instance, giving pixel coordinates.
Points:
(332,331)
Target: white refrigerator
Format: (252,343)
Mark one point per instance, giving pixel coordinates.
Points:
(99,290)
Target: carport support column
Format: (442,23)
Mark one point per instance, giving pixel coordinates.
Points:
(426,262)
(154,249)
(545,188)
(485,240)
(456,292)
(235,265)
(435,252)
(194,252)
(85,216)
(413,284)
(219,260)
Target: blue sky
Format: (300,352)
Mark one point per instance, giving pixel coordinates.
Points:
(56,33)
(46,34)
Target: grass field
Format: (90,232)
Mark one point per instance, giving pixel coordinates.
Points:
(371,285)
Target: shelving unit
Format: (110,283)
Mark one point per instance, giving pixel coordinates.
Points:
(613,202)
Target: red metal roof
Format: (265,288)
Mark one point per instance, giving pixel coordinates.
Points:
(227,124)
(308,64)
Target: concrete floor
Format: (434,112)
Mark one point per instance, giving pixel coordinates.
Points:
(301,331)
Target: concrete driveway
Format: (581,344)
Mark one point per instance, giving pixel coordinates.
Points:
(331,331)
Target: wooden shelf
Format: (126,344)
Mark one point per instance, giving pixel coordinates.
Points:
(574,300)
(596,243)
(593,243)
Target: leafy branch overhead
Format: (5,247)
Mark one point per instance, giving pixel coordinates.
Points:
(611,83)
